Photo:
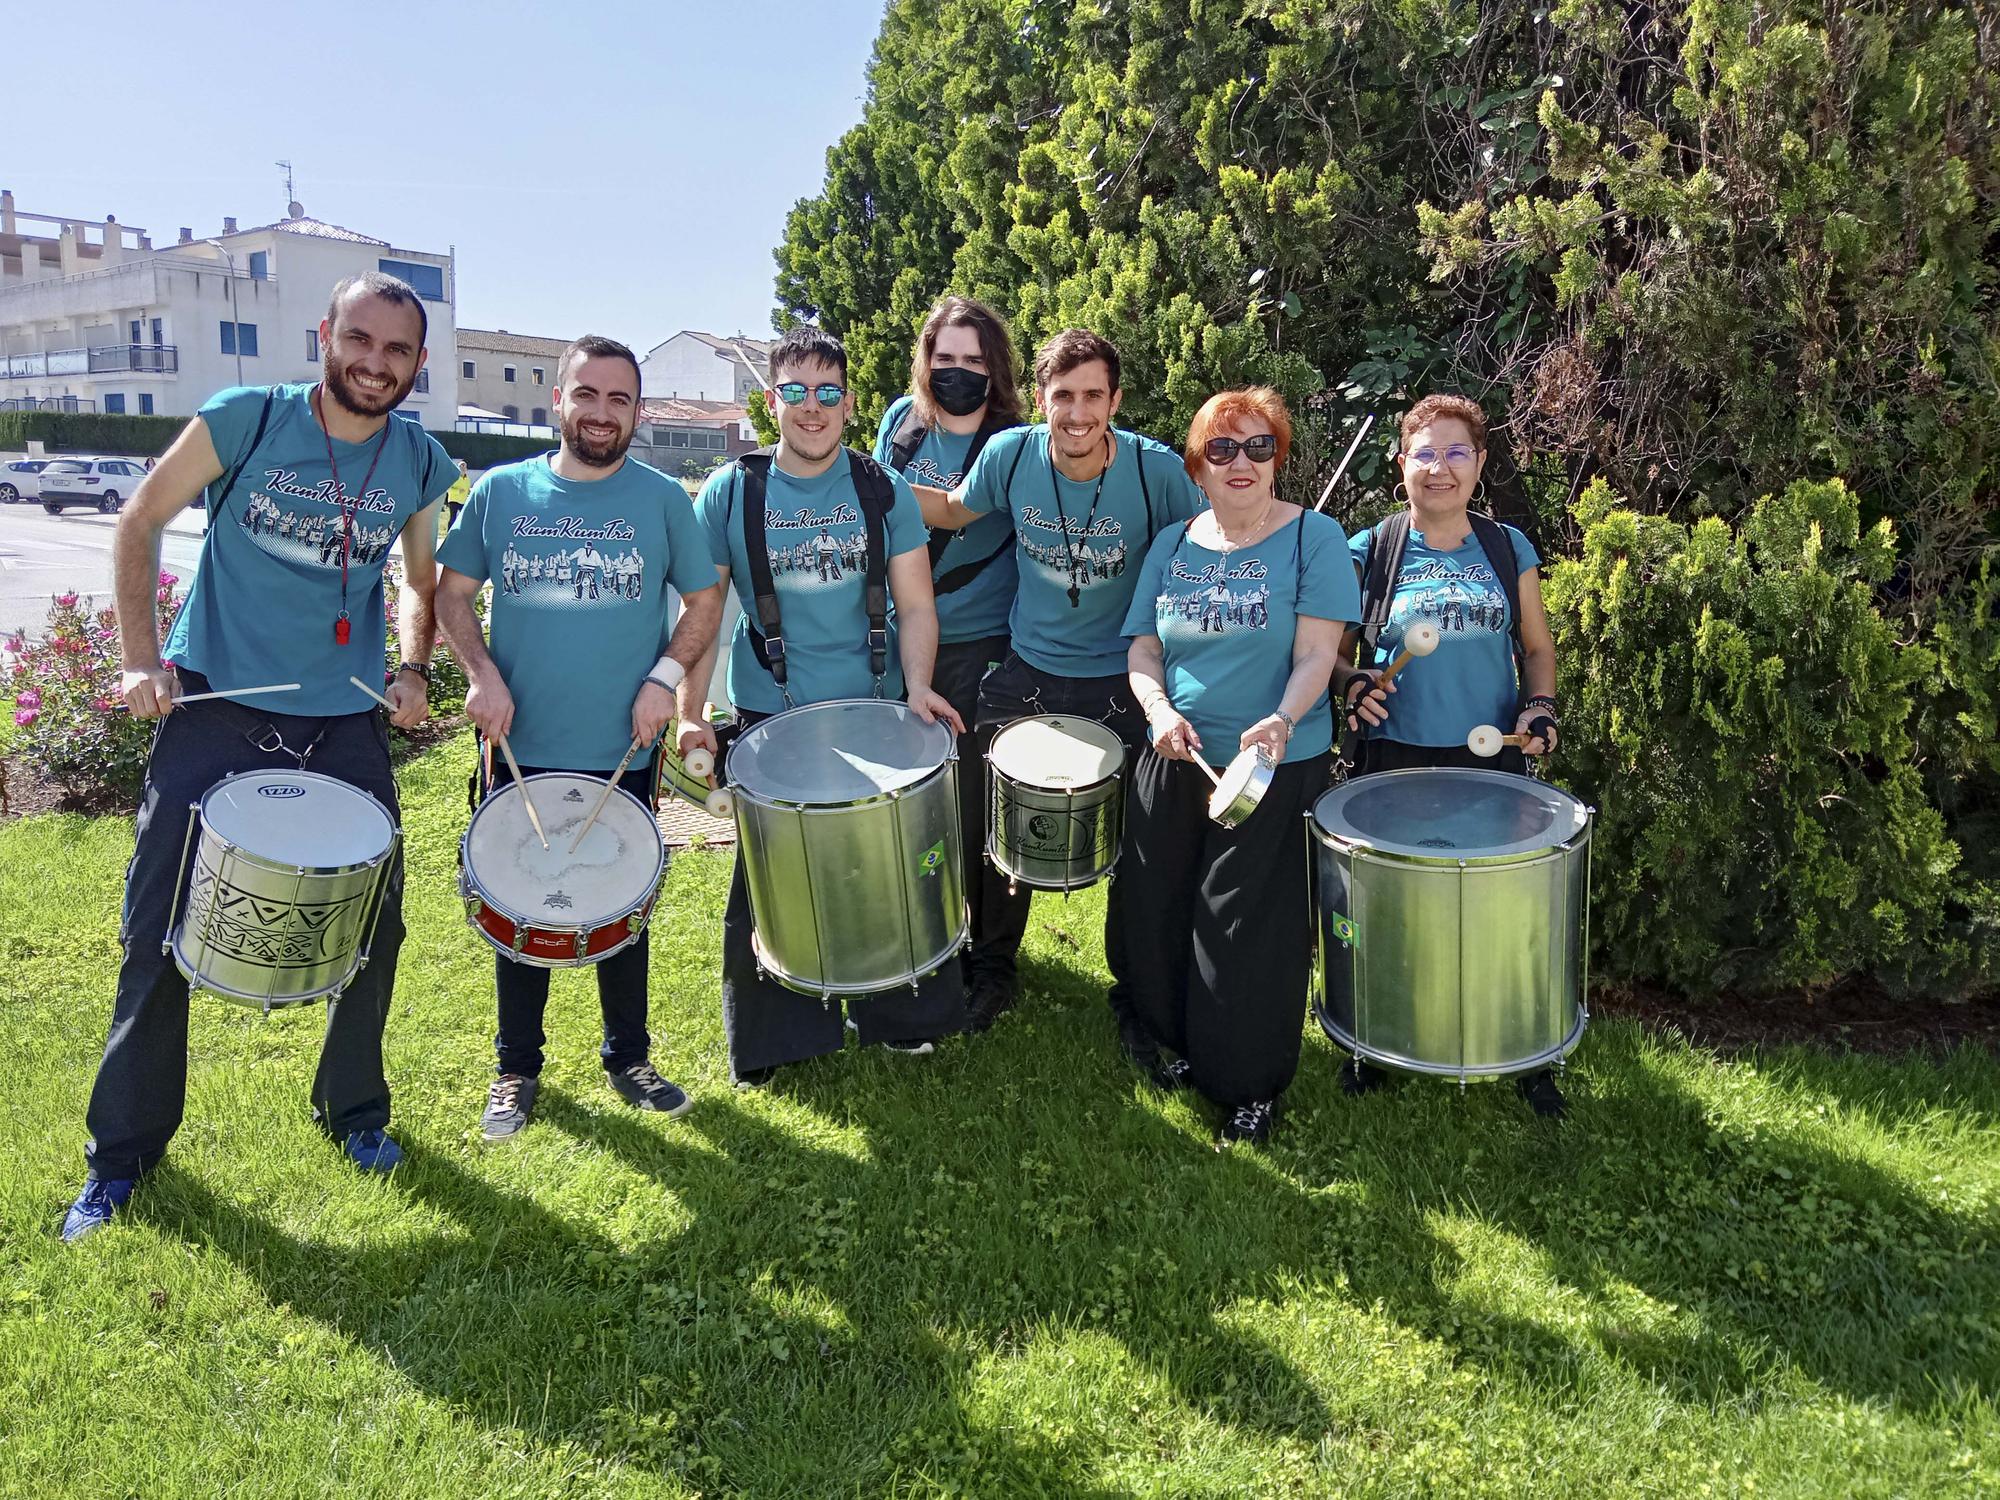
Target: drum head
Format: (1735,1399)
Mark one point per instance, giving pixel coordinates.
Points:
(298,818)
(832,754)
(1447,813)
(1057,750)
(618,863)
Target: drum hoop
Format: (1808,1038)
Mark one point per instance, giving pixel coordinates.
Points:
(1076,790)
(1117,772)
(231,853)
(1351,842)
(474,888)
(743,794)
(208,831)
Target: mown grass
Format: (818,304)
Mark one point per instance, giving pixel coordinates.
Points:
(1006,1269)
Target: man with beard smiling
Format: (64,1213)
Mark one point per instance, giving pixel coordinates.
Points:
(266,607)
(574,678)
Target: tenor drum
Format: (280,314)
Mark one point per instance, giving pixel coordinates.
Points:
(285,887)
(1056,809)
(1451,912)
(550,907)
(847,826)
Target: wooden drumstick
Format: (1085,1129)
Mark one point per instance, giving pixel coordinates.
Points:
(1420,639)
(1206,767)
(698,761)
(1487,741)
(604,796)
(373,694)
(276,687)
(526,801)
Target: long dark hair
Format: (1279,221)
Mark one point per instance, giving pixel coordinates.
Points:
(1003,394)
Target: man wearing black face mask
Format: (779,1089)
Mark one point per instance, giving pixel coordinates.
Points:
(963,389)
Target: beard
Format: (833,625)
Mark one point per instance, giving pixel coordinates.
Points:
(353,399)
(599,453)
(827,443)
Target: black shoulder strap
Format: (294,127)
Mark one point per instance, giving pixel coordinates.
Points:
(940,536)
(1145,490)
(1378,580)
(767,635)
(1499,549)
(877,495)
(910,435)
(219,492)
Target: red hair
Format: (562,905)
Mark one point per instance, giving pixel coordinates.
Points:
(1254,403)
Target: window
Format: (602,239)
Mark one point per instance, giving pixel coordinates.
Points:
(541,376)
(507,373)
(423,383)
(135,332)
(540,416)
(240,338)
(260,265)
(115,403)
(465,370)
(676,438)
(312,346)
(157,330)
(145,403)
(511,413)
(426,281)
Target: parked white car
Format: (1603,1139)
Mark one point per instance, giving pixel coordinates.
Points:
(21,479)
(101,482)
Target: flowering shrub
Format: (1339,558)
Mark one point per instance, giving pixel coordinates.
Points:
(448,682)
(67,720)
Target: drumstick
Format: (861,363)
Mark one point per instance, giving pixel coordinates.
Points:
(1210,770)
(1327,493)
(276,687)
(1486,741)
(1420,639)
(373,694)
(604,796)
(526,801)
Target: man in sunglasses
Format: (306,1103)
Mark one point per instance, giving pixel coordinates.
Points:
(1075,487)
(755,511)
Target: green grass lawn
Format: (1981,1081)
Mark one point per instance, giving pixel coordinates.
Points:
(1007,1269)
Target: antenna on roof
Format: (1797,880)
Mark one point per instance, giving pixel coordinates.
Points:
(292,208)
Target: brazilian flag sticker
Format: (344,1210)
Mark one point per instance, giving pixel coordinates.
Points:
(931,858)
(1344,930)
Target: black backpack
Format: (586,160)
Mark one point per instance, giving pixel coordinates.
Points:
(1384,565)
(909,437)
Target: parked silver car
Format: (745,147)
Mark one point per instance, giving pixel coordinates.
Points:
(100,482)
(21,480)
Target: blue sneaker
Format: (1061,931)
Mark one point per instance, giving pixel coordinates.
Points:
(100,1199)
(373,1150)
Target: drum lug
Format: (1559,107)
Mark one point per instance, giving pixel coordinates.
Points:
(520,938)
(634,922)
(582,944)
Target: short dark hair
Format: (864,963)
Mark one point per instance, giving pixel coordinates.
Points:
(597,346)
(1003,401)
(390,289)
(1071,348)
(806,344)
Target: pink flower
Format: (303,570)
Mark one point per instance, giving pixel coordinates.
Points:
(66,601)
(168,580)
(101,704)
(29,699)
(25,716)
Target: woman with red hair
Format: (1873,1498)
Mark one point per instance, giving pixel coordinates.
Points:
(1235,627)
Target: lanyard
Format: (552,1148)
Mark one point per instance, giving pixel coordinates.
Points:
(1069,547)
(341,628)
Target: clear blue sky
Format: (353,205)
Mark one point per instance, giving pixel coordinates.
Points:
(620,168)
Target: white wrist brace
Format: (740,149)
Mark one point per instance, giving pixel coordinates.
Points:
(667,673)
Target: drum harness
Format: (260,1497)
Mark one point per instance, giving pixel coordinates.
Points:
(876,494)
(910,435)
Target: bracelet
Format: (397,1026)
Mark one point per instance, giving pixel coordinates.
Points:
(1539,700)
(421,668)
(1291,724)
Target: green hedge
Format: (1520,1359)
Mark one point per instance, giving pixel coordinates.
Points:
(486,450)
(89,432)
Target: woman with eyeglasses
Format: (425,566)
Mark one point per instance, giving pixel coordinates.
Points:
(1444,562)
(1235,627)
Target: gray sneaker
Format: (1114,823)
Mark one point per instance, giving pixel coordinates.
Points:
(509,1103)
(642,1088)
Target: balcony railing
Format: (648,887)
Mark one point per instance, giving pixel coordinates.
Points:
(145,359)
(49,403)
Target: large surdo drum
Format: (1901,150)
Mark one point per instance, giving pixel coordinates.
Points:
(847,826)
(1451,912)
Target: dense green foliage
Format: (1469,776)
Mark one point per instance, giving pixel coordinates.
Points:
(88,432)
(1700,251)
(488,450)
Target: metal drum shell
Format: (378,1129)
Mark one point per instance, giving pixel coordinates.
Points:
(827,918)
(1462,966)
(347,895)
(1091,822)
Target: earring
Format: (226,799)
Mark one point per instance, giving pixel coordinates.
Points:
(1478,492)
(1400,493)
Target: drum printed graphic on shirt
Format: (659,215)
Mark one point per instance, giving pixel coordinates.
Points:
(543,569)
(310,531)
(1452,596)
(1098,558)
(806,554)
(1212,607)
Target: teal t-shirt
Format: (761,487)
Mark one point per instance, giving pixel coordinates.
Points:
(264,600)
(580,571)
(818,544)
(1063,545)
(978,609)
(1226,623)
(1469,680)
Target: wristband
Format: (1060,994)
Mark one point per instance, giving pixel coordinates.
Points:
(421,668)
(1291,724)
(667,673)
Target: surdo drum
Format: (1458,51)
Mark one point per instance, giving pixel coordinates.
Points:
(1451,916)
(550,907)
(1056,808)
(847,826)
(285,887)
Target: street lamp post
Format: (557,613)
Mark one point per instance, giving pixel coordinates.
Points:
(235,321)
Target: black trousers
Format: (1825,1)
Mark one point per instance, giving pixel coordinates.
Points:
(1221,975)
(961,667)
(523,989)
(1015,690)
(768,1025)
(141,1089)
(1396,755)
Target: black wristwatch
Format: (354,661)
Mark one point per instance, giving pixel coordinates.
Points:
(421,668)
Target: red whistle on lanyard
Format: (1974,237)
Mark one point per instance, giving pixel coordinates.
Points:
(342,629)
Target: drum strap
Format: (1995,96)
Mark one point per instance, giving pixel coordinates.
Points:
(1384,566)
(261,733)
(910,435)
(877,495)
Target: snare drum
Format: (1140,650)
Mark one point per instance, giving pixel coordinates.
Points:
(1451,920)
(847,826)
(286,886)
(1056,811)
(549,907)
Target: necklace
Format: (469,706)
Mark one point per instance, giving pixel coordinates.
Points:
(342,627)
(1256,527)
(1069,547)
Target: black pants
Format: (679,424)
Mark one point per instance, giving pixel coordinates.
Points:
(1011,691)
(621,979)
(961,667)
(768,1025)
(141,1089)
(1221,977)
(1396,755)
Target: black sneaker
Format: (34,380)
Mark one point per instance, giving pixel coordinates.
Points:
(1178,1074)
(1358,1078)
(1251,1122)
(756,1078)
(642,1088)
(510,1103)
(1544,1098)
(989,998)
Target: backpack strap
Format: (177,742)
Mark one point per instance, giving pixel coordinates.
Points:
(872,487)
(1378,579)
(766,630)
(218,493)
(940,537)
(1145,491)
(910,435)
(1499,549)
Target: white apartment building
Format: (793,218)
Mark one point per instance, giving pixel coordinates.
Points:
(94,318)
(695,366)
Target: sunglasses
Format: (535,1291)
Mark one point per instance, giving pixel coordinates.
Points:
(793,393)
(1260,449)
